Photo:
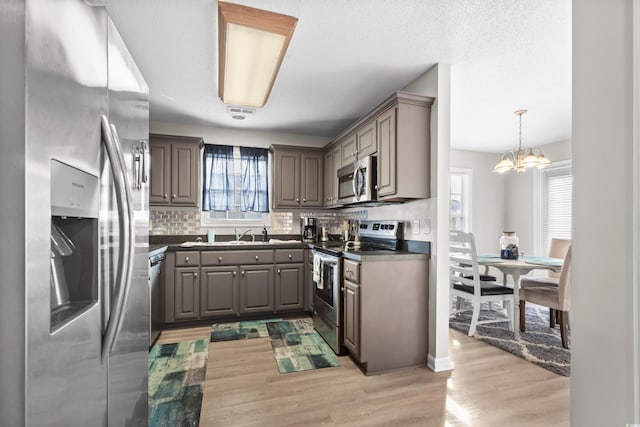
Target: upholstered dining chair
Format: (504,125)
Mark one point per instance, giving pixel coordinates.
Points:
(557,249)
(465,281)
(557,298)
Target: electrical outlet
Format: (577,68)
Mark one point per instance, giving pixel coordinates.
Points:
(426,226)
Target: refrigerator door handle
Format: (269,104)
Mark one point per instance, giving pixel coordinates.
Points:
(125,223)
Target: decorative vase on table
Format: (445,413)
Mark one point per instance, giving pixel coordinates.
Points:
(509,243)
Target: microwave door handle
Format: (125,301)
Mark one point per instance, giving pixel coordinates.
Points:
(356,187)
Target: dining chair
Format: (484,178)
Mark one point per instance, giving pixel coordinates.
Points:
(465,282)
(557,249)
(557,298)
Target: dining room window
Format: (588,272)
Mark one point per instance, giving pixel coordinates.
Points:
(460,200)
(554,204)
(235,185)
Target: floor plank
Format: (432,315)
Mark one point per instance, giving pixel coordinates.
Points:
(488,387)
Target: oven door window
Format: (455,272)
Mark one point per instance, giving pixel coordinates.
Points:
(327,279)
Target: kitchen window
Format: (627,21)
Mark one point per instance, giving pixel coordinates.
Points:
(554,204)
(460,200)
(235,185)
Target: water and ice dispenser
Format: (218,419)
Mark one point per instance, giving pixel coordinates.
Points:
(74,242)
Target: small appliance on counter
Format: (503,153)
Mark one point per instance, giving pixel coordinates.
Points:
(309,228)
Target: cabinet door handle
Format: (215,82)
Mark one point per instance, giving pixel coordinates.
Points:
(290,256)
(219,259)
(164,196)
(304,200)
(234,274)
(242,273)
(186,259)
(174,196)
(297,199)
(342,289)
(376,187)
(278,271)
(257,257)
(195,274)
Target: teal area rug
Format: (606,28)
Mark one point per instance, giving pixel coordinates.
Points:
(176,375)
(240,330)
(298,347)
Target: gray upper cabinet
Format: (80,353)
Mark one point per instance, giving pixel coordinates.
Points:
(298,177)
(174,170)
(332,162)
(404,147)
(398,132)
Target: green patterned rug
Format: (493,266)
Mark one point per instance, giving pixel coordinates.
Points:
(176,374)
(240,330)
(296,345)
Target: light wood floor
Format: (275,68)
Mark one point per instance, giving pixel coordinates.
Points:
(488,387)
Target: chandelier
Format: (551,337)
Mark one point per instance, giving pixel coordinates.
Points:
(521,160)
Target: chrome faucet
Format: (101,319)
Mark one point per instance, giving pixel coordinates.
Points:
(240,236)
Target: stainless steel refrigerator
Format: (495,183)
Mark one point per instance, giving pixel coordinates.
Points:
(74,307)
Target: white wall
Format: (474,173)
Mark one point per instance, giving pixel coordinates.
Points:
(436,82)
(488,197)
(604,355)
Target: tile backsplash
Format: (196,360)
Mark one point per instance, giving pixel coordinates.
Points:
(174,221)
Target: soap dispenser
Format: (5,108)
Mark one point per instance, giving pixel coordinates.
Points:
(265,236)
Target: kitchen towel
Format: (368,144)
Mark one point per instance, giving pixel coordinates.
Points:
(316,272)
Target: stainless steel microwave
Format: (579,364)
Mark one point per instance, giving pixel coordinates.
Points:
(357,181)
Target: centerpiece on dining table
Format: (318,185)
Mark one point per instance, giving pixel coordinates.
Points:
(509,243)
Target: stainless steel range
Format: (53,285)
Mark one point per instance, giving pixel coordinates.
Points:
(375,236)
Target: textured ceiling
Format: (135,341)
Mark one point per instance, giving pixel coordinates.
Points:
(347,56)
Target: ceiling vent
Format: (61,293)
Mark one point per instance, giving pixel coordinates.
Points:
(240,113)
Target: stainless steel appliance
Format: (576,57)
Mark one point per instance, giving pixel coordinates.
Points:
(74,307)
(383,237)
(357,181)
(327,297)
(309,228)
(155,295)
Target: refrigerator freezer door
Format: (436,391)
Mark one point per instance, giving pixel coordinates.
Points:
(66,93)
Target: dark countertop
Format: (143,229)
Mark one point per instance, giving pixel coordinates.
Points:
(413,249)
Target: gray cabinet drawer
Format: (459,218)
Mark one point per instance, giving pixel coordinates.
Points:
(351,271)
(236,257)
(187,258)
(289,255)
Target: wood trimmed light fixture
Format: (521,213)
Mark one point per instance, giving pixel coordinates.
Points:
(251,46)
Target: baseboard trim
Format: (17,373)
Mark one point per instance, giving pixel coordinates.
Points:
(439,364)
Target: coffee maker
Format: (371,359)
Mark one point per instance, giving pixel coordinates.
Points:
(309,228)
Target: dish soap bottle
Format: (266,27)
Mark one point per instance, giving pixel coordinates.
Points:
(265,236)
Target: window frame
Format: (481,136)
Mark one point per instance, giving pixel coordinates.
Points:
(540,194)
(467,197)
(265,220)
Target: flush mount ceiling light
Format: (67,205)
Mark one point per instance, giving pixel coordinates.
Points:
(251,46)
(521,160)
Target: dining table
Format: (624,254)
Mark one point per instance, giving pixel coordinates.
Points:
(516,268)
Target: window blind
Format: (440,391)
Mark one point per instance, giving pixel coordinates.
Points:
(556,204)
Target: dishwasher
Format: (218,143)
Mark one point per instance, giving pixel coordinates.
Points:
(155,296)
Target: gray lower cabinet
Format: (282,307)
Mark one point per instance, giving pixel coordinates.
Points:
(289,286)
(256,288)
(187,293)
(214,284)
(351,306)
(219,291)
(386,312)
